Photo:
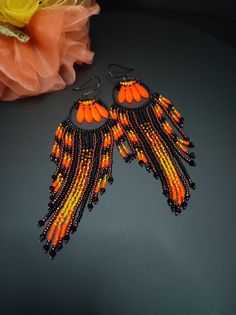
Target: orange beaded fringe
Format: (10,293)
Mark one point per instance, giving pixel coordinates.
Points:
(84,166)
(155,137)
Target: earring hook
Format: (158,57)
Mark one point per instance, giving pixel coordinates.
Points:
(84,85)
(118,74)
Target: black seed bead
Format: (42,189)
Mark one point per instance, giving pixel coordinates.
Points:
(66,238)
(52,197)
(148,168)
(141,163)
(184,205)
(187,197)
(54,177)
(95,200)
(130,159)
(59,246)
(174,207)
(40,223)
(162,119)
(63,172)
(166,193)
(192,185)
(192,163)
(90,206)
(73,228)
(105,171)
(52,253)
(192,155)
(46,247)
(174,137)
(191,145)
(110,180)
(169,201)
(42,237)
(106,150)
(178,210)
(155,175)
(177,213)
(102,190)
(50,205)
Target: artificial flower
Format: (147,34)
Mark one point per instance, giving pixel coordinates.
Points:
(53,3)
(18,12)
(59,38)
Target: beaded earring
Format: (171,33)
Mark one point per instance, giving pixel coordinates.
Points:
(84,166)
(153,128)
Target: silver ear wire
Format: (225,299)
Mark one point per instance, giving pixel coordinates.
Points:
(118,73)
(84,86)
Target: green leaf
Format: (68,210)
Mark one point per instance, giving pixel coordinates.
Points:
(13,31)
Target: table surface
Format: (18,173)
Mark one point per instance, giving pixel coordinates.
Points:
(131,255)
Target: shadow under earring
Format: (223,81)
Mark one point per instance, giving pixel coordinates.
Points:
(154,131)
(84,166)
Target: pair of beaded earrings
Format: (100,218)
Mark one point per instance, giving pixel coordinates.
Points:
(144,125)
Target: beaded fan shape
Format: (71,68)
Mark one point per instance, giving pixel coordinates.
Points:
(89,111)
(155,137)
(84,166)
(131,90)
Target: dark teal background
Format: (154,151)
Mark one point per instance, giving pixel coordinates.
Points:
(224,9)
(217,18)
(131,255)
